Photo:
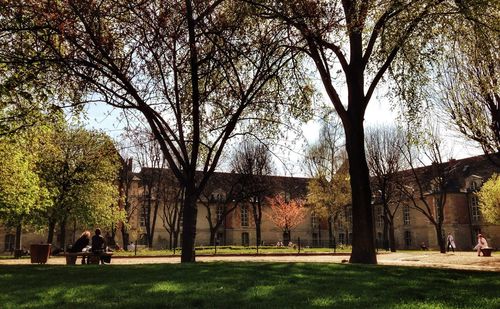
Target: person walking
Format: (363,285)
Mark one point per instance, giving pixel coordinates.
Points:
(450,243)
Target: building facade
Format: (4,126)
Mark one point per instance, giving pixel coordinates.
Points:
(227,208)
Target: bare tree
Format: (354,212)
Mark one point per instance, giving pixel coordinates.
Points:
(153,174)
(220,198)
(385,160)
(172,196)
(426,188)
(253,163)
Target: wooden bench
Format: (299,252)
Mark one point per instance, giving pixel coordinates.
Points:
(90,257)
(486,251)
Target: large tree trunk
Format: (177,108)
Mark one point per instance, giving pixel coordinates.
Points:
(62,239)
(189,225)
(257,218)
(212,236)
(19,232)
(125,237)
(50,236)
(153,224)
(363,246)
(392,238)
(331,239)
(440,239)
(385,236)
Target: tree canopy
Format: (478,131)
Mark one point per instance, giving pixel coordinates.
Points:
(489,199)
(80,169)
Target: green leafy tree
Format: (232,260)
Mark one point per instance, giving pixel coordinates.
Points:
(196,72)
(468,86)
(22,193)
(354,46)
(80,170)
(328,192)
(489,199)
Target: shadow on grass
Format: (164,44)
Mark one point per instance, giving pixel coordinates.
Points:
(245,285)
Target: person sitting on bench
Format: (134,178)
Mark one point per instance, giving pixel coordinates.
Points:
(423,246)
(98,245)
(80,244)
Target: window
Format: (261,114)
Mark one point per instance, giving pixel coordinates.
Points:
(9,242)
(406,215)
(220,197)
(245,239)
(474,208)
(379,217)
(407,237)
(244,216)
(219,211)
(315,240)
(142,218)
(341,238)
(349,215)
(314,220)
(219,238)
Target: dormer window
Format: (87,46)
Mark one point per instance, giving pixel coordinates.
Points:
(474,183)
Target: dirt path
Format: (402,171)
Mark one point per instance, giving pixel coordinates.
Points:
(458,260)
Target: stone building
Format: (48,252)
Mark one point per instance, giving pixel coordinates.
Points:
(462,216)
(153,197)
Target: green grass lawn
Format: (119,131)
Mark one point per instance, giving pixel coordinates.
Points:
(245,285)
(235,250)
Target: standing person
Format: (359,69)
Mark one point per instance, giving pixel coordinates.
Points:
(481,243)
(98,244)
(451,243)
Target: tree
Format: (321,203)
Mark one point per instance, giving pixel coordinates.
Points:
(220,198)
(468,86)
(152,177)
(125,203)
(171,212)
(80,169)
(328,191)
(253,162)
(286,215)
(385,160)
(489,199)
(197,73)
(21,190)
(354,43)
(426,188)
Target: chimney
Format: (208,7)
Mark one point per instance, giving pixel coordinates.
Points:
(129,164)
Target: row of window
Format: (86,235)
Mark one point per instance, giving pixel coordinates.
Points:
(244,215)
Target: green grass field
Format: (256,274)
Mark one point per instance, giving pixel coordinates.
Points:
(221,250)
(245,285)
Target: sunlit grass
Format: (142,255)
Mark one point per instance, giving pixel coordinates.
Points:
(225,250)
(245,285)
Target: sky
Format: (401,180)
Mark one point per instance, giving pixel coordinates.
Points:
(289,159)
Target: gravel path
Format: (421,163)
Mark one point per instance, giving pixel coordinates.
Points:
(457,260)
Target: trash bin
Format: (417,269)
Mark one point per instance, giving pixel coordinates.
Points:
(39,253)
